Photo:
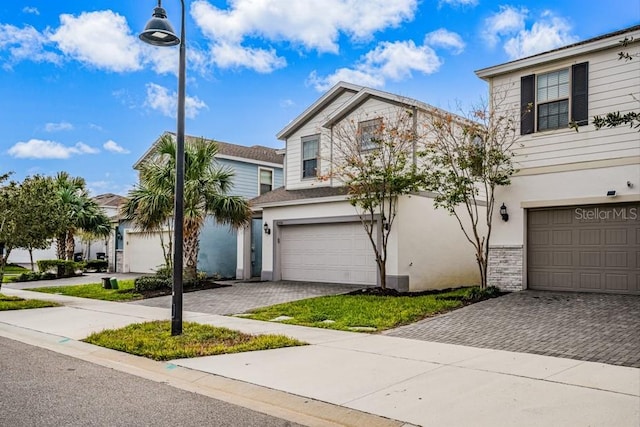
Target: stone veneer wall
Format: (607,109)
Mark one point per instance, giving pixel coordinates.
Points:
(506,267)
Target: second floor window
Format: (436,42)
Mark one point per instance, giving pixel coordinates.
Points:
(369,131)
(310,156)
(553,100)
(266,180)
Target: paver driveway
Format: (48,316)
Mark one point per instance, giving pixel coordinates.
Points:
(593,327)
(243,296)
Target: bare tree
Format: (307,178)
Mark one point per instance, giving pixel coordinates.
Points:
(374,158)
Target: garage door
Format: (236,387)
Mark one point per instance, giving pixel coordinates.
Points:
(585,249)
(143,253)
(333,253)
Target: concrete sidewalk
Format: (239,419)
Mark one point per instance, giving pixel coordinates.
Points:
(398,380)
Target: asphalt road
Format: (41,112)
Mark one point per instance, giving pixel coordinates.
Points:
(42,388)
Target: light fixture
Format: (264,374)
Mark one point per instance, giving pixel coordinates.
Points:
(629,184)
(611,193)
(267,230)
(159,32)
(503,213)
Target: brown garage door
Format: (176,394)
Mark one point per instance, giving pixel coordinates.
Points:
(585,248)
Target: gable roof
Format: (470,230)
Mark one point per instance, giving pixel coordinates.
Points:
(331,95)
(281,195)
(256,153)
(109,199)
(605,41)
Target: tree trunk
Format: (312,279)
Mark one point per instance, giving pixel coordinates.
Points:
(61,246)
(70,246)
(191,249)
(31,259)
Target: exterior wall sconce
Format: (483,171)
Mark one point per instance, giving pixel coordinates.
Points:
(503,213)
(267,230)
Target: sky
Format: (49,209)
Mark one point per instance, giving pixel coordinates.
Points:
(79,92)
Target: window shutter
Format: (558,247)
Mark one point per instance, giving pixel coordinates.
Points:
(579,93)
(527,104)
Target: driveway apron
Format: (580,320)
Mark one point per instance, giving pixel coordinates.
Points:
(592,327)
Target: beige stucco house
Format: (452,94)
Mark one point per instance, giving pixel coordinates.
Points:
(312,232)
(574,206)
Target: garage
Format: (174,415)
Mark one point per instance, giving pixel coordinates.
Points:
(143,252)
(592,248)
(333,253)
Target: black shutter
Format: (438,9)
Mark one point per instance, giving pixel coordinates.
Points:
(527,104)
(580,93)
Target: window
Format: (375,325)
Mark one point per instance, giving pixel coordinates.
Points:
(310,156)
(266,180)
(552,100)
(368,131)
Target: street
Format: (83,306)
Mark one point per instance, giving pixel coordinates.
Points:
(40,387)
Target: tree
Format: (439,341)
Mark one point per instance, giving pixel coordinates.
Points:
(7,223)
(374,160)
(80,212)
(465,160)
(206,188)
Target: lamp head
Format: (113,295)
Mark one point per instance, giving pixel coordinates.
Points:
(158,31)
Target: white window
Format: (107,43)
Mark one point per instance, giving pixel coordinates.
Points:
(553,100)
(369,131)
(266,180)
(310,146)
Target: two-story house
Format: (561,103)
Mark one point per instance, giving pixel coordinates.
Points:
(257,170)
(312,233)
(574,205)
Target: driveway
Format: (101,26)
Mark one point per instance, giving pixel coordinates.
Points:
(591,327)
(244,296)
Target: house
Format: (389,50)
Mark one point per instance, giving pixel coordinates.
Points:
(257,170)
(312,233)
(574,205)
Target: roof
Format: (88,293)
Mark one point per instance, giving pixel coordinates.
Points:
(280,195)
(605,41)
(109,199)
(257,153)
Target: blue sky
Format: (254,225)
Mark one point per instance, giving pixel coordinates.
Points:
(81,93)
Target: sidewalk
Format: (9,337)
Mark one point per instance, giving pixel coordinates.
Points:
(414,382)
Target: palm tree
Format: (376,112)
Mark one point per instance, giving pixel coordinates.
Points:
(206,185)
(80,213)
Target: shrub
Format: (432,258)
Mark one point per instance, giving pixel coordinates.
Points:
(29,276)
(151,283)
(99,265)
(477,294)
(62,267)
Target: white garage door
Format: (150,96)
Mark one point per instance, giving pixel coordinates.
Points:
(143,253)
(333,253)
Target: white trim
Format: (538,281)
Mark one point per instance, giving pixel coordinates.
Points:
(252,161)
(303,202)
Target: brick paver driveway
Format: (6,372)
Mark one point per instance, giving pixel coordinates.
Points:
(592,327)
(243,296)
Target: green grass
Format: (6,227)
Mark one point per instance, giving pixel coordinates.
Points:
(95,291)
(154,340)
(11,271)
(17,303)
(352,311)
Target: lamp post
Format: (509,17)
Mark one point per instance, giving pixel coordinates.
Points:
(159,32)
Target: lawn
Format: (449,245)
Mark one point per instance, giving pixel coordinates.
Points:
(17,303)
(368,313)
(125,291)
(154,340)
(11,271)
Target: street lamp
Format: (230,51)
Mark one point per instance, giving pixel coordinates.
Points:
(159,32)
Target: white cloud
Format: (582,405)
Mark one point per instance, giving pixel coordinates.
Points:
(445,39)
(102,39)
(312,25)
(114,147)
(25,43)
(458,3)
(44,149)
(159,99)
(57,127)
(508,21)
(549,33)
(394,61)
(31,10)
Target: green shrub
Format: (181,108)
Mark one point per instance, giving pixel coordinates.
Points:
(29,276)
(99,265)
(63,268)
(151,283)
(477,294)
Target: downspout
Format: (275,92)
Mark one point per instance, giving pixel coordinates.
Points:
(331,156)
(414,109)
